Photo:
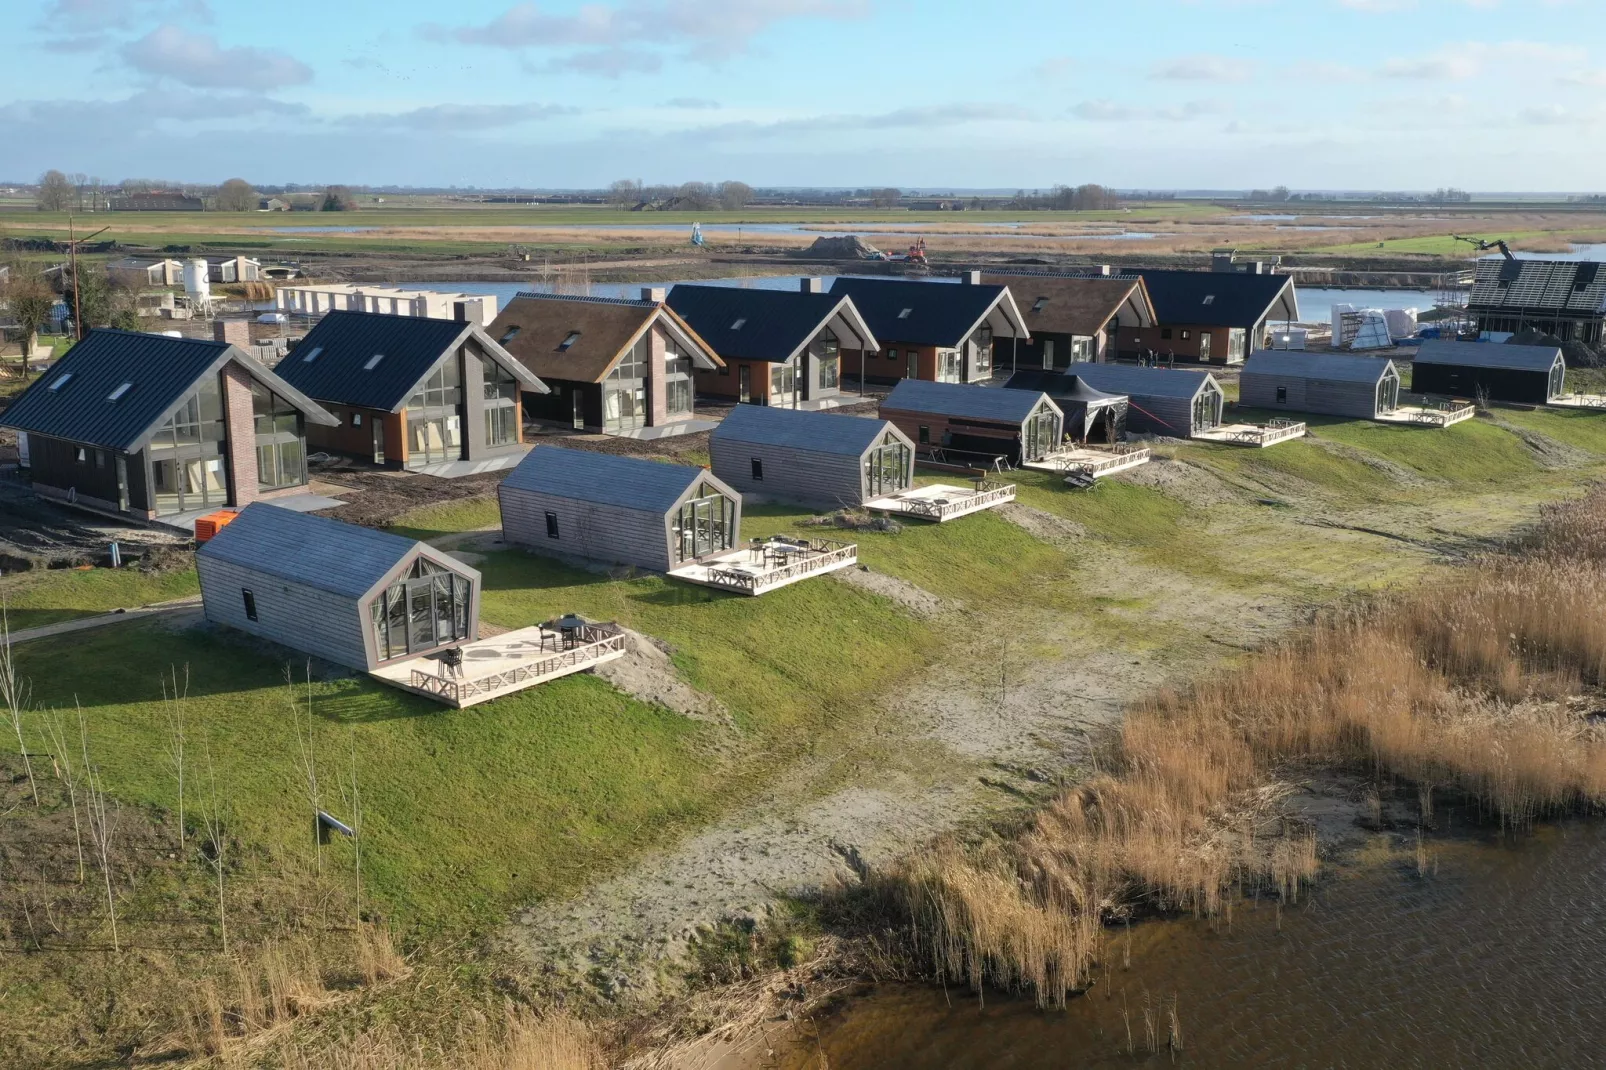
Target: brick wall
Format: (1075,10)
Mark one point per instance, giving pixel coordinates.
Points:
(240,427)
(657,377)
(234,332)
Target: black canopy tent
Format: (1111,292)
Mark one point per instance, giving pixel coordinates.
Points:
(1091,415)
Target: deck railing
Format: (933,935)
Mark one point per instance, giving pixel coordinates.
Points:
(1119,456)
(1279,430)
(823,554)
(1436,412)
(987,492)
(596,642)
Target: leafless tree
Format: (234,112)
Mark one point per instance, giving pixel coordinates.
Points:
(54,193)
(352,797)
(302,721)
(174,697)
(235,195)
(15,693)
(102,822)
(61,754)
(625,193)
(734,196)
(216,840)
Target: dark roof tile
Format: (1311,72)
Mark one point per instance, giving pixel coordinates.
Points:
(963,400)
(818,432)
(603,478)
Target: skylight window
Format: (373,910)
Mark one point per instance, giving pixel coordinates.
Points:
(1210,299)
(739,324)
(1040,304)
(906,313)
(60,382)
(119,392)
(512,333)
(568,343)
(373,362)
(312,355)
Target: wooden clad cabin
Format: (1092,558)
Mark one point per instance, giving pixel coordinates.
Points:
(621,510)
(1073,318)
(1562,298)
(1532,374)
(347,594)
(821,459)
(959,419)
(156,427)
(1331,384)
(939,332)
(1210,317)
(1091,415)
(412,392)
(781,348)
(1176,402)
(621,367)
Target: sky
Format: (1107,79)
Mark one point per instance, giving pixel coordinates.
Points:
(1485,95)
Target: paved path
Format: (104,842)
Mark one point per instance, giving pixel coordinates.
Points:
(85,623)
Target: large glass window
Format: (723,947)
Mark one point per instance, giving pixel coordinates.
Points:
(677,385)
(1081,349)
(624,392)
(704,525)
(950,365)
(984,352)
(783,384)
(281,440)
(887,468)
(501,404)
(434,417)
(186,454)
(830,361)
(427,609)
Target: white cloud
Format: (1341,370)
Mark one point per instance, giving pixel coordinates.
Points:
(196,59)
(1202,67)
(461,118)
(1109,111)
(1470,59)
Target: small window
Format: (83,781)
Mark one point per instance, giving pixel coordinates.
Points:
(758,469)
(60,382)
(1210,299)
(510,334)
(81,455)
(1165,332)
(568,342)
(892,354)
(250,604)
(724,369)
(925,435)
(1186,335)
(1282,395)
(100,459)
(356,419)
(739,324)
(312,354)
(552,525)
(373,362)
(906,313)
(119,392)
(1039,304)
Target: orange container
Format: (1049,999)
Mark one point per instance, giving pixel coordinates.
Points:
(212,523)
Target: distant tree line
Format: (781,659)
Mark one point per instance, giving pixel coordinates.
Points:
(57,191)
(687,197)
(1085,198)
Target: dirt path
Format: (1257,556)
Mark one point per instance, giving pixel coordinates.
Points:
(118,616)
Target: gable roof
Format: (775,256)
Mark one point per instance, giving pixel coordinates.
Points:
(603,329)
(965,401)
(72,400)
(775,325)
(316,551)
(1061,386)
(330,363)
(938,313)
(1336,367)
(1219,298)
(1560,285)
(1074,304)
(605,478)
(816,432)
(1136,381)
(1490,355)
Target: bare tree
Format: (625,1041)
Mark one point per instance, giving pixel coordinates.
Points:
(235,195)
(212,821)
(734,196)
(174,698)
(55,192)
(353,799)
(61,754)
(625,193)
(102,823)
(15,693)
(886,198)
(306,752)
(30,299)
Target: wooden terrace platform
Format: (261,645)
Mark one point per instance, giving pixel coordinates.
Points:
(767,564)
(1593,402)
(943,501)
(1092,462)
(1257,436)
(505,664)
(1426,412)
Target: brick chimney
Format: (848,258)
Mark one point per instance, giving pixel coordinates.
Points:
(971,278)
(234,332)
(656,294)
(812,285)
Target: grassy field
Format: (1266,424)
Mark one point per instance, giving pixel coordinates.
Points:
(34,599)
(469,814)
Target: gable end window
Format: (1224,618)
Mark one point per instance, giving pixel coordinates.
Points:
(552,525)
(250,604)
(1282,395)
(758,469)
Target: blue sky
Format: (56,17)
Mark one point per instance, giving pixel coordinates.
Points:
(1398,94)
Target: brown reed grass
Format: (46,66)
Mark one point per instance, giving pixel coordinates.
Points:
(1463,685)
(521,1041)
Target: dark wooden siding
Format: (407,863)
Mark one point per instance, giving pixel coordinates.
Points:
(1498,384)
(1322,396)
(320,623)
(55,464)
(585,529)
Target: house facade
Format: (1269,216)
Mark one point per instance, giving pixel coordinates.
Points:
(938,332)
(411,393)
(351,595)
(780,348)
(1565,299)
(1327,384)
(962,422)
(151,426)
(1073,318)
(620,367)
(822,459)
(1209,317)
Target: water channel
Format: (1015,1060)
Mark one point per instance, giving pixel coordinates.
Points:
(1488,955)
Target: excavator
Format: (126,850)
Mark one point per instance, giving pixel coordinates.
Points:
(1484,246)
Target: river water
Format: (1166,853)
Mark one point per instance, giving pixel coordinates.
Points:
(1492,958)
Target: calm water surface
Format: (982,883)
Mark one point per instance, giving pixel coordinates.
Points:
(1495,958)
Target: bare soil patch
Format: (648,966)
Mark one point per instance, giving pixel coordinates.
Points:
(917,600)
(647,672)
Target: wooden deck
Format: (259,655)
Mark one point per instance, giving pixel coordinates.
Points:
(1593,402)
(505,664)
(1256,436)
(1092,462)
(1425,412)
(769,564)
(942,502)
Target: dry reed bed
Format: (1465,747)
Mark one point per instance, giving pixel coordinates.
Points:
(1464,685)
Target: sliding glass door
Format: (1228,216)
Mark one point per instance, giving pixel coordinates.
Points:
(427,610)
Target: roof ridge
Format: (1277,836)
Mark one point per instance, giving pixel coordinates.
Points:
(586,298)
(152,334)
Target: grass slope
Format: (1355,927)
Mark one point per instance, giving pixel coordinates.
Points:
(34,599)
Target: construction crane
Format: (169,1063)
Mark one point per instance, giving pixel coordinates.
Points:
(1484,246)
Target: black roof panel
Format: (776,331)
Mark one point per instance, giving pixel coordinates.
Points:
(939,313)
(774,323)
(1212,298)
(346,341)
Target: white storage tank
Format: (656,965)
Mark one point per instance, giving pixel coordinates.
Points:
(196,283)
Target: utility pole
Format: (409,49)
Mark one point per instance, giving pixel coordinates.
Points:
(72,256)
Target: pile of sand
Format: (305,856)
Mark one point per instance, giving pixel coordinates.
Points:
(847,247)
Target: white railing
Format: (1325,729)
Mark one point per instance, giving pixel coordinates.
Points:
(1582,401)
(1279,430)
(597,642)
(823,554)
(1119,457)
(986,493)
(1431,413)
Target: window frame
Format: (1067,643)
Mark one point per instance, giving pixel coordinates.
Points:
(250,599)
(552,531)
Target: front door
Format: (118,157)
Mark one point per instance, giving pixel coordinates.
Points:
(122,483)
(914,364)
(744,383)
(579,416)
(1388,394)
(1039,437)
(1206,411)
(379,440)
(1204,345)
(783,385)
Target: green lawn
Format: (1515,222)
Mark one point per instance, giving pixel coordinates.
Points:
(446,518)
(33,599)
